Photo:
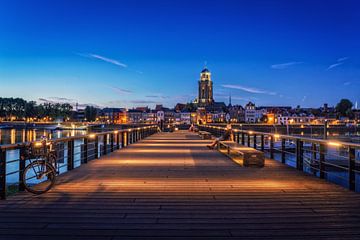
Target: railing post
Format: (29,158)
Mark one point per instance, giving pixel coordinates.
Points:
(248,139)
(86,142)
(351,174)
(128,138)
(254,141)
(271,147)
(299,155)
(123,139)
(2,173)
(242,138)
(117,140)
(96,154)
(70,155)
(22,163)
(313,149)
(262,142)
(105,144)
(112,142)
(238,137)
(283,149)
(322,161)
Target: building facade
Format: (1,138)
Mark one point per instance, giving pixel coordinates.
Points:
(205,91)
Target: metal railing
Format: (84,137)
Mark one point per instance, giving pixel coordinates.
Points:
(335,161)
(72,152)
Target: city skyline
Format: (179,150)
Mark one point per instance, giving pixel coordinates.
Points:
(137,53)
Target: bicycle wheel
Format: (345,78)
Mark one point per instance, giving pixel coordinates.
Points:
(39,176)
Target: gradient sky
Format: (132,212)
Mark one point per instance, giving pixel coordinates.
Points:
(137,53)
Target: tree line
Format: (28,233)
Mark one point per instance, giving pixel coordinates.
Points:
(19,109)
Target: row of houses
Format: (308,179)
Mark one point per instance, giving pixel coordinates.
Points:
(183,114)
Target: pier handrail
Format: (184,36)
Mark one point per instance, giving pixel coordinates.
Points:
(311,159)
(111,140)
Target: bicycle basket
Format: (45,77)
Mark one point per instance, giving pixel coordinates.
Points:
(37,150)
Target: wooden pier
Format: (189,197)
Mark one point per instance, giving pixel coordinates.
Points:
(170,186)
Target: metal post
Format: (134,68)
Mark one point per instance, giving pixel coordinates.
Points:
(352,169)
(105,144)
(325,129)
(242,138)
(299,155)
(322,160)
(96,147)
(2,173)
(127,138)
(248,140)
(70,155)
(313,149)
(262,142)
(118,140)
(271,147)
(283,149)
(21,168)
(112,142)
(86,142)
(123,139)
(255,141)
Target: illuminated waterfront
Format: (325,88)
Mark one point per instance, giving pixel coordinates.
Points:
(12,136)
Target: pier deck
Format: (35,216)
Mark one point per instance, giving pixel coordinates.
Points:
(170,186)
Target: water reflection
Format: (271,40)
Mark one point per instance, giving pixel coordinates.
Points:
(12,136)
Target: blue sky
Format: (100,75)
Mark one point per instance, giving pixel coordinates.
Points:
(138,53)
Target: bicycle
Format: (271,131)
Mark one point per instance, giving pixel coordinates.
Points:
(40,175)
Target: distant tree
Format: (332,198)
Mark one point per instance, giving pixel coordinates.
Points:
(30,109)
(344,108)
(90,113)
(65,110)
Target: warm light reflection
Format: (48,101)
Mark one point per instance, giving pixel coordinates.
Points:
(13,136)
(336,144)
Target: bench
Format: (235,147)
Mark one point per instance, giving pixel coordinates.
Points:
(205,135)
(250,157)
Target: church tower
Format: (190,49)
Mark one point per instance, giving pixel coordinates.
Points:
(205,97)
